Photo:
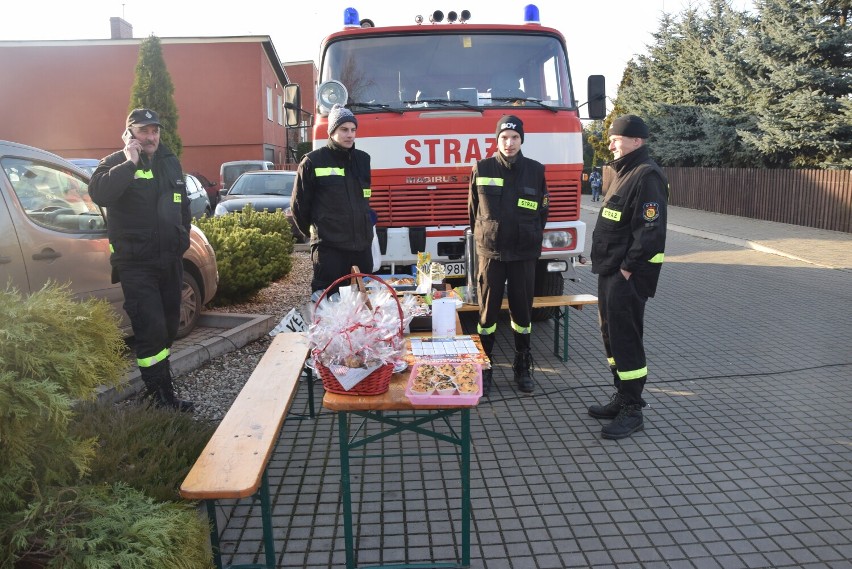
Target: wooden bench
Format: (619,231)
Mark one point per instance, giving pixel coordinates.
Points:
(233,464)
(560,319)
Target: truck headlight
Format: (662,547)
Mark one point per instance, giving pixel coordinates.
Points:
(329,94)
(558,240)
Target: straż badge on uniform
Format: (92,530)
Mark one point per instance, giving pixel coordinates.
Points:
(650,211)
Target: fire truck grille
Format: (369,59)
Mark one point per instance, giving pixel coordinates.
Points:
(419,207)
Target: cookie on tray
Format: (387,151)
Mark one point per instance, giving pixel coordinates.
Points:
(422,387)
(447,369)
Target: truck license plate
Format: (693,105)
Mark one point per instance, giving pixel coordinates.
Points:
(455,269)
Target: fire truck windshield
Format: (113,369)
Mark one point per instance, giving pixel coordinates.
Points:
(450,69)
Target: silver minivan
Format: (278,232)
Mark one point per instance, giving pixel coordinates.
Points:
(230,171)
(51,230)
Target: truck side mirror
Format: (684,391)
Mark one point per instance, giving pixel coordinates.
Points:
(293,105)
(596,90)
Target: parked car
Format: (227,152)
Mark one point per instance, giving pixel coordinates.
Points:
(88,165)
(51,230)
(211,188)
(230,171)
(199,203)
(263,190)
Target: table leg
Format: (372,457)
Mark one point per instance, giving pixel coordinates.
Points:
(310,378)
(214,532)
(266,515)
(346,490)
(560,323)
(462,441)
(465,476)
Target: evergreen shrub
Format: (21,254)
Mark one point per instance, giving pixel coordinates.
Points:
(55,352)
(148,448)
(108,526)
(253,249)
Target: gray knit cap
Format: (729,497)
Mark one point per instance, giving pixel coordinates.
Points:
(338,116)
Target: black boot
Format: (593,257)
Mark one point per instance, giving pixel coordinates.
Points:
(629,419)
(627,422)
(486,382)
(611,409)
(166,398)
(161,388)
(487,342)
(523,363)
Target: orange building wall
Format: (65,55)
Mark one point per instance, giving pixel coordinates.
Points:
(72,98)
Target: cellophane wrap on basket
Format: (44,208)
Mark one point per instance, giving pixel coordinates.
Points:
(351,338)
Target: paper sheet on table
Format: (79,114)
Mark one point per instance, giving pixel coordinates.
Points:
(443,318)
(349,377)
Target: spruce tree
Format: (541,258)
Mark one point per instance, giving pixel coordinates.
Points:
(667,90)
(800,55)
(153,89)
(730,102)
(677,88)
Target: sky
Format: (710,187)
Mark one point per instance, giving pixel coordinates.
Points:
(601,35)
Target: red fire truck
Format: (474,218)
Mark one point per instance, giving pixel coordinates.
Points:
(428,97)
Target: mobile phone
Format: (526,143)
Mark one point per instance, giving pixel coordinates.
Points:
(126,136)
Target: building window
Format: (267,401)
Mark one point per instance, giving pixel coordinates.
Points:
(280,110)
(269,114)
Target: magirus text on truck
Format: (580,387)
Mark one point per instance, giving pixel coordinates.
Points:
(427,96)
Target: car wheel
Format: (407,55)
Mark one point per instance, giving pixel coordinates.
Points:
(190,305)
(546,284)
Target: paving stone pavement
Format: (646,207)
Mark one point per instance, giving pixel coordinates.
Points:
(745,460)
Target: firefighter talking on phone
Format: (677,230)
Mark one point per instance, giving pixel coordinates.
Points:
(142,187)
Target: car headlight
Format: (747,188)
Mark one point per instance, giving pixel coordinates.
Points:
(220,210)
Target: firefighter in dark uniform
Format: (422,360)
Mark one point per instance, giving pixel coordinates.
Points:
(507,207)
(628,245)
(330,203)
(142,186)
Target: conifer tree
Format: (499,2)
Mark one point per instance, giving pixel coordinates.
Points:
(153,89)
(726,31)
(677,89)
(800,54)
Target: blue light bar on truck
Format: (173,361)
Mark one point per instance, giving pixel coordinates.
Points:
(350,18)
(531,15)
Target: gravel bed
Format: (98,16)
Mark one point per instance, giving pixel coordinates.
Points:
(214,386)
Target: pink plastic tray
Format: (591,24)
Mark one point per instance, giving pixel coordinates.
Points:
(436,398)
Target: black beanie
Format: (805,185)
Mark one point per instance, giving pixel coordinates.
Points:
(629,125)
(510,122)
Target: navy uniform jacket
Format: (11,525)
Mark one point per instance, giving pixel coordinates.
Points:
(630,232)
(507,208)
(148,216)
(330,200)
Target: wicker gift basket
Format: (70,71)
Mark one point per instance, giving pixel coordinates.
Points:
(376,381)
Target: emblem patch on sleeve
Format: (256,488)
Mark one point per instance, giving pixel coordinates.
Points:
(650,211)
